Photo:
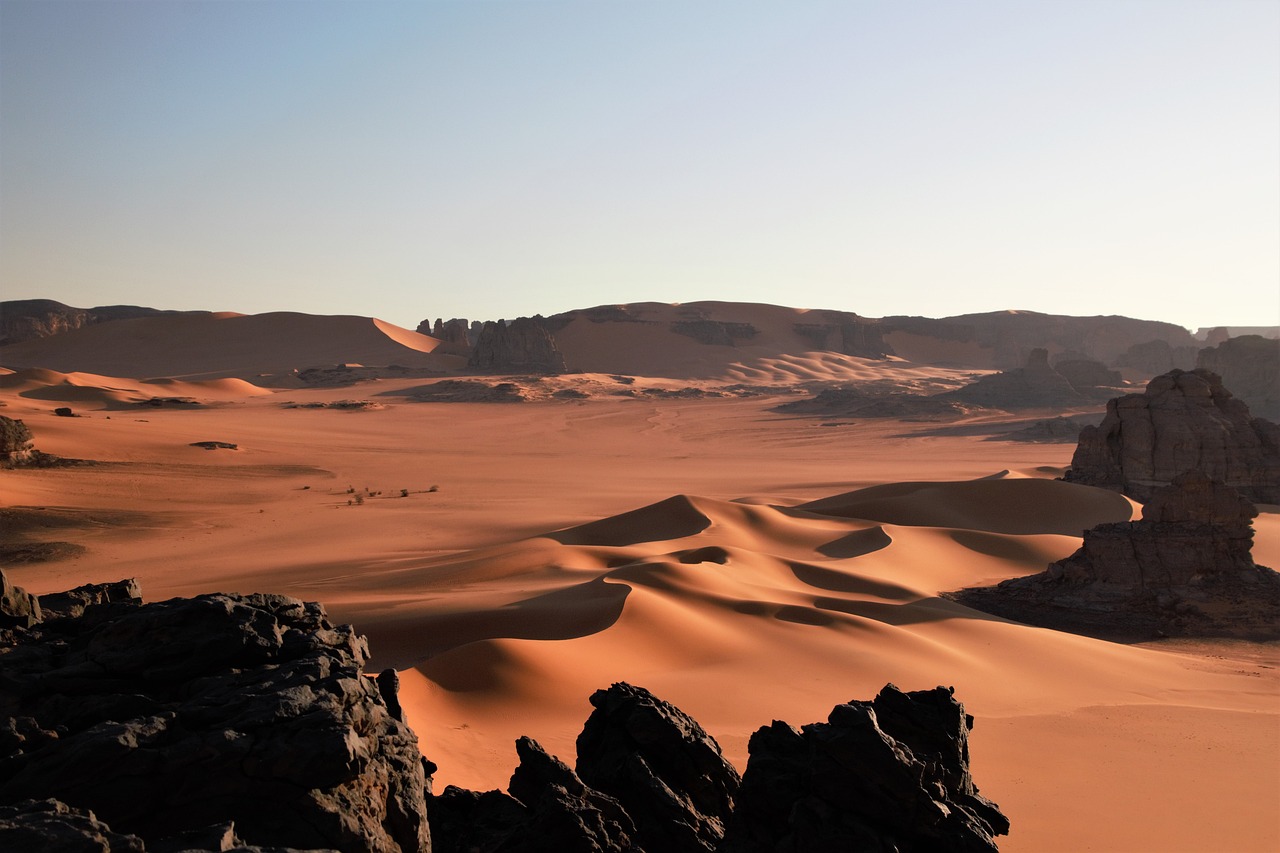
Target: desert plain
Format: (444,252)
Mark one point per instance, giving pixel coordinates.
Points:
(656,521)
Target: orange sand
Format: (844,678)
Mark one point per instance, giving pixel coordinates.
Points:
(571,544)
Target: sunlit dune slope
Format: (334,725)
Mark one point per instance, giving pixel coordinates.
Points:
(95,391)
(222,345)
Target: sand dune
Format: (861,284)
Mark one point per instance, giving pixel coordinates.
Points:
(744,565)
(97,391)
(223,345)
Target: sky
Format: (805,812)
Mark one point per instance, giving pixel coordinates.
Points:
(411,160)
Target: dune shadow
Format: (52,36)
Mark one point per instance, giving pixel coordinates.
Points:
(916,612)
(859,543)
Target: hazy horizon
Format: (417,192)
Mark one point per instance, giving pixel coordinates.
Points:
(414,160)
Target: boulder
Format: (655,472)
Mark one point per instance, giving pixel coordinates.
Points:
(171,717)
(658,762)
(1184,420)
(886,775)
(18,608)
(522,346)
(15,442)
(74,602)
(50,825)
(1184,569)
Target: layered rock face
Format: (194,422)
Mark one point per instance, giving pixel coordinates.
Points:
(25,319)
(183,717)
(886,775)
(1185,569)
(1184,420)
(1250,366)
(522,346)
(15,442)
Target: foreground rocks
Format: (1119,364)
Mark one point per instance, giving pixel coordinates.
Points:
(186,717)
(891,774)
(1183,420)
(1185,569)
(244,722)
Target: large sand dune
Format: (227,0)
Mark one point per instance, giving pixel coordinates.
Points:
(211,346)
(742,564)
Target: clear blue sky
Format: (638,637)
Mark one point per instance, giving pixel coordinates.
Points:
(483,159)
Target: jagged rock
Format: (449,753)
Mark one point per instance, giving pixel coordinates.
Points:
(658,762)
(566,815)
(51,826)
(18,608)
(465,821)
(175,716)
(74,602)
(524,345)
(1184,569)
(1250,366)
(454,335)
(887,775)
(1033,386)
(1184,420)
(15,442)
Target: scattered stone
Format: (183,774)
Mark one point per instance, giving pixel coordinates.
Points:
(469,391)
(1184,420)
(215,445)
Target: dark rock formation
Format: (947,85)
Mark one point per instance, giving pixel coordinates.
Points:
(1034,386)
(25,319)
(1250,366)
(1087,376)
(51,826)
(454,335)
(64,412)
(171,717)
(1047,430)
(1184,420)
(468,391)
(1185,569)
(886,775)
(215,445)
(890,774)
(659,763)
(18,608)
(522,346)
(715,332)
(15,442)
(74,602)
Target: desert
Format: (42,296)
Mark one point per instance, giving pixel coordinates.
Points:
(668,524)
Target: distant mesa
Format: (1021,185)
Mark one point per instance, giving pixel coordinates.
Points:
(27,319)
(1250,366)
(1035,385)
(1184,570)
(1184,420)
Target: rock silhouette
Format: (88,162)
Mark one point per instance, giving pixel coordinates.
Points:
(524,345)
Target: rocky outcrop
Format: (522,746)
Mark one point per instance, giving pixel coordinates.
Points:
(715,332)
(1034,386)
(659,763)
(25,319)
(1087,376)
(15,442)
(1184,420)
(1184,569)
(73,603)
(165,719)
(454,335)
(889,774)
(522,346)
(1250,366)
(18,608)
(52,826)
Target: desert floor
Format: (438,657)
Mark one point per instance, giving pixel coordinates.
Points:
(682,564)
